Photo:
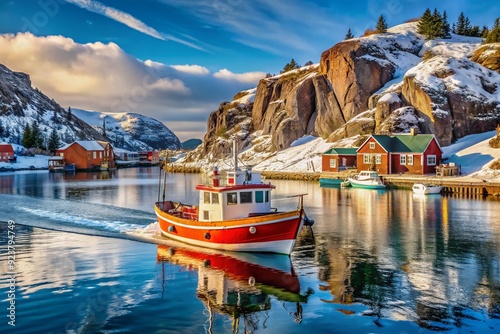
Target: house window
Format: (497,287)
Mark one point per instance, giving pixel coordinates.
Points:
(333,163)
(246,197)
(100,155)
(232,198)
(366,158)
(410,160)
(378,159)
(259,197)
(372,146)
(431,160)
(215,198)
(402,159)
(95,154)
(206,197)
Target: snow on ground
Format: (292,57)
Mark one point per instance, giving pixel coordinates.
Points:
(38,161)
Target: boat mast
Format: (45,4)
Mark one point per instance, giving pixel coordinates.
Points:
(235,153)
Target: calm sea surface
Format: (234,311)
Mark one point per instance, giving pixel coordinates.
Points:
(89,259)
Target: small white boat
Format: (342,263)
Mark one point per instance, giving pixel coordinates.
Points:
(367,180)
(426,189)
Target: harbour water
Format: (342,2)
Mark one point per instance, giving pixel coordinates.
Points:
(89,259)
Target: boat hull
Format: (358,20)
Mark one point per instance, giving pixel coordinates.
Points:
(271,233)
(330,182)
(366,184)
(426,190)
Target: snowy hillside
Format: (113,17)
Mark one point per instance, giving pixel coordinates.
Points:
(21,104)
(131,131)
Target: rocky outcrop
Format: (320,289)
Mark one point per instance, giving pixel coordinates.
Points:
(355,73)
(290,106)
(488,55)
(453,96)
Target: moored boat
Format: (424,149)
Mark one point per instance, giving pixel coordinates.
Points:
(367,180)
(330,182)
(426,189)
(234,213)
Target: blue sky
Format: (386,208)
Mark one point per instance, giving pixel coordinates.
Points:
(176,60)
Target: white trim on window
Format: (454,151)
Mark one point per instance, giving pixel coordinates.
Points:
(431,160)
(372,146)
(333,163)
(410,160)
(402,159)
(378,159)
(366,158)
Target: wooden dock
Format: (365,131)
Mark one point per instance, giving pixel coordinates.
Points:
(451,184)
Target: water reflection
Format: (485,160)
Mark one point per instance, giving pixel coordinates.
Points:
(239,285)
(432,260)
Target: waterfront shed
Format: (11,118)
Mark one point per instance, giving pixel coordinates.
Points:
(403,153)
(88,154)
(337,159)
(6,153)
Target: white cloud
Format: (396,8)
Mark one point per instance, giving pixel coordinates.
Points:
(98,76)
(192,69)
(248,77)
(128,20)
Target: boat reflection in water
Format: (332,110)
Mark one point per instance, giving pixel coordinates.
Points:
(239,284)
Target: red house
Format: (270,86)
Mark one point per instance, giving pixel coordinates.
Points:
(406,153)
(6,153)
(337,159)
(88,155)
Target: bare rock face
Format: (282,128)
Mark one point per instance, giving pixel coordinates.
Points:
(291,105)
(363,124)
(385,106)
(488,55)
(453,96)
(356,71)
(400,120)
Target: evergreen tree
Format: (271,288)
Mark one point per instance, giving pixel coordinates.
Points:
(474,32)
(446,26)
(69,114)
(437,25)
(290,66)
(424,24)
(349,34)
(27,137)
(496,24)
(484,32)
(2,129)
(467,27)
(494,33)
(54,142)
(309,62)
(381,25)
(460,26)
(36,135)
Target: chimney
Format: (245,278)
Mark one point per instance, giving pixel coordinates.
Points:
(414,131)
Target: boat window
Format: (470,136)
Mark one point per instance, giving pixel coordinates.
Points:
(206,215)
(246,197)
(259,197)
(232,198)
(267,196)
(215,198)
(206,197)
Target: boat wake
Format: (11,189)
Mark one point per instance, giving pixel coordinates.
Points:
(74,216)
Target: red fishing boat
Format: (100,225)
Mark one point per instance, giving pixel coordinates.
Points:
(234,213)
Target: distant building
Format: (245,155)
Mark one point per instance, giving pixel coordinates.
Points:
(406,153)
(7,153)
(88,155)
(149,157)
(337,159)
